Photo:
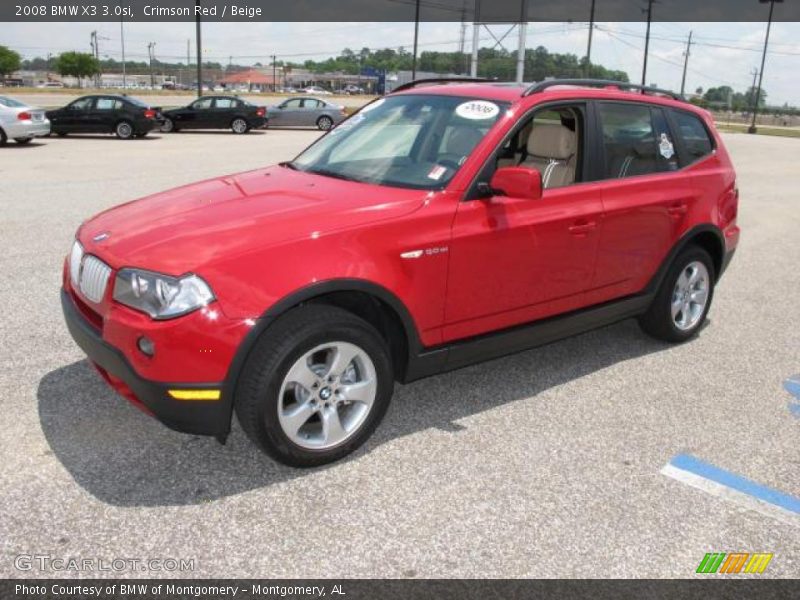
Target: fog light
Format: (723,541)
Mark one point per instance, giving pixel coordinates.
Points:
(146,345)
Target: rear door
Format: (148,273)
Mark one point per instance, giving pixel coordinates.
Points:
(310,110)
(223,112)
(645,197)
(104,114)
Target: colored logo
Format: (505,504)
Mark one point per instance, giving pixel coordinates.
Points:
(734,562)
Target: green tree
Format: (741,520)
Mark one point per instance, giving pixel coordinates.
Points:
(77,64)
(9,61)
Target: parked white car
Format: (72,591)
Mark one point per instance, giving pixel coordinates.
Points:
(20,122)
(317,91)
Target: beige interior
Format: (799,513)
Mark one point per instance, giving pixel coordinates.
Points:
(551,150)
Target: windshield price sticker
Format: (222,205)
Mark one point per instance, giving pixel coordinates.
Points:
(477,110)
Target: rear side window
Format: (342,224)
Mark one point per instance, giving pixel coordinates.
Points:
(636,140)
(225,102)
(696,139)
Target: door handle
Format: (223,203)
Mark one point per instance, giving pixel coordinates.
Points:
(678,210)
(583,228)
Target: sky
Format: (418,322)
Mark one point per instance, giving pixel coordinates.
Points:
(724,53)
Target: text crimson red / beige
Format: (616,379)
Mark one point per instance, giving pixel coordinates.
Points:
(108,10)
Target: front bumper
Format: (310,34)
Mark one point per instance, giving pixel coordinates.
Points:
(200,417)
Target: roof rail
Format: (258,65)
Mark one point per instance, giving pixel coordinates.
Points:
(543,85)
(438,80)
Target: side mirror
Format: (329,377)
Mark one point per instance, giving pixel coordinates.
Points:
(517,182)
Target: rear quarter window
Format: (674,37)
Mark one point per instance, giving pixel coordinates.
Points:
(697,141)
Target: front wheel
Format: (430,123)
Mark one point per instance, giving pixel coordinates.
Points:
(324,123)
(22,141)
(124,130)
(168,126)
(239,126)
(683,299)
(315,386)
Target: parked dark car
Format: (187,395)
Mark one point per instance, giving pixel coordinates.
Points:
(216,112)
(125,116)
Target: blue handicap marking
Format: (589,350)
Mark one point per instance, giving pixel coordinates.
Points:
(792,385)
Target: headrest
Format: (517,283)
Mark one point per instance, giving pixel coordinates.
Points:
(461,140)
(551,141)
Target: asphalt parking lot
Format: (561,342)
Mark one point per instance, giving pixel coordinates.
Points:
(544,464)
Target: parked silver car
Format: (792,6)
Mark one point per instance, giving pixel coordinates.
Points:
(305,112)
(20,122)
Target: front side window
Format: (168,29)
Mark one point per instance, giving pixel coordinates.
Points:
(81,104)
(203,104)
(404,141)
(633,144)
(696,139)
(291,103)
(550,142)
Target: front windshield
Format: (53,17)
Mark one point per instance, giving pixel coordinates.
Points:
(10,102)
(413,141)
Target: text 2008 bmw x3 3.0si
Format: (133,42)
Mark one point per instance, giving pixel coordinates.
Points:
(444,224)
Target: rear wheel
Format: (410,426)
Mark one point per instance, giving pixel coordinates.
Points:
(23,141)
(239,125)
(324,123)
(124,130)
(315,386)
(683,299)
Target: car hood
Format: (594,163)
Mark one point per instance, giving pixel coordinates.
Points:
(183,229)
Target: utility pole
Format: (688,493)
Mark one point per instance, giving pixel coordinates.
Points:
(151,51)
(686,62)
(93,44)
(416,38)
(274,73)
(523,27)
(122,41)
(753,128)
(199,51)
(589,48)
(647,40)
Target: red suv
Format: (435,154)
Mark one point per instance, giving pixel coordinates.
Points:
(442,225)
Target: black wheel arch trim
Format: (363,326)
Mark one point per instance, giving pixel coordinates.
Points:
(306,294)
(688,238)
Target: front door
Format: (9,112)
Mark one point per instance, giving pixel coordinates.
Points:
(75,117)
(517,260)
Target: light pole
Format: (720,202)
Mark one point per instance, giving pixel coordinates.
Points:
(199,52)
(416,38)
(757,99)
(647,39)
(589,48)
(122,40)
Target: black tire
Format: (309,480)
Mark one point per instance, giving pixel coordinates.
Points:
(61,133)
(658,321)
(3,138)
(142,135)
(23,141)
(324,123)
(240,126)
(168,126)
(279,347)
(124,130)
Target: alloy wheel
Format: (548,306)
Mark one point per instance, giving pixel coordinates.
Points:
(326,395)
(690,296)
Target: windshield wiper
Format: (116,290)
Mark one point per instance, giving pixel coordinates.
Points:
(334,174)
(289,165)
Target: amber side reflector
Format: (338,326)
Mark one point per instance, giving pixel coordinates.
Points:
(195,394)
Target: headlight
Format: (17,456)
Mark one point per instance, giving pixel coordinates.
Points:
(75,257)
(161,296)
